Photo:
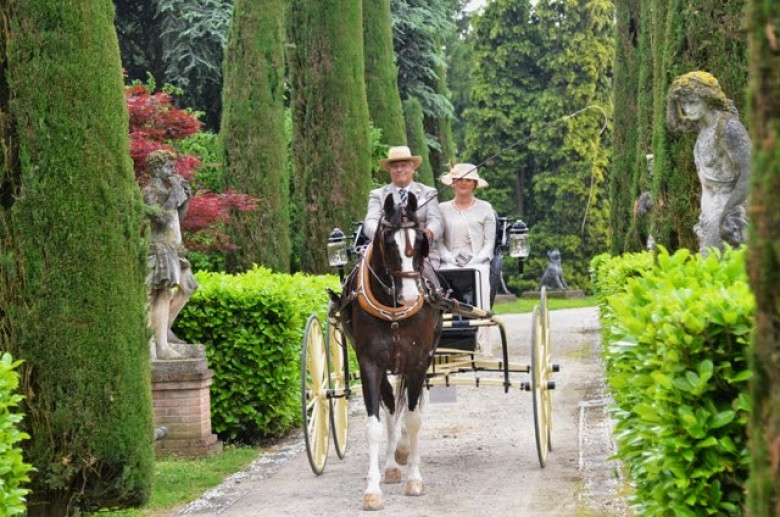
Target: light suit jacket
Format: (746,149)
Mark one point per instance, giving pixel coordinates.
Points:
(429,214)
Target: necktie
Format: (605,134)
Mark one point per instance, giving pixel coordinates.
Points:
(402,192)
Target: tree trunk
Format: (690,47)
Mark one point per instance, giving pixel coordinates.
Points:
(254,142)
(763,490)
(73,260)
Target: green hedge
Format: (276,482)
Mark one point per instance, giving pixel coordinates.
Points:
(13,469)
(252,326)
(676,359)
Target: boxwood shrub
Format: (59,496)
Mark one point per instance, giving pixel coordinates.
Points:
(13,469)
(252,326)
(676,362)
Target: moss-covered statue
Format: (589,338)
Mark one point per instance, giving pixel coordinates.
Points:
(170,280)
(696,103)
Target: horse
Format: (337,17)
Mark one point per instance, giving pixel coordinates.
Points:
(389,313)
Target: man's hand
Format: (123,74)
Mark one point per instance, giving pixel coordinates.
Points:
(429,233)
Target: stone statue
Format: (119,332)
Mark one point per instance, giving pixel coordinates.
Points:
(696,103)
(553,275)
(170,280)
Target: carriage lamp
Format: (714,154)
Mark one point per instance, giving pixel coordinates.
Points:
(519,245)
(337,248)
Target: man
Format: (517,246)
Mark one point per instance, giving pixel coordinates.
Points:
(401,165)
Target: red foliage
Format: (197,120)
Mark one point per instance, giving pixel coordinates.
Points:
(154,122)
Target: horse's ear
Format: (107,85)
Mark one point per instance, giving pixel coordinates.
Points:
(389,206)
(411,203)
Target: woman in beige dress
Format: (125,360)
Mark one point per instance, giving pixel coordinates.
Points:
(469,235)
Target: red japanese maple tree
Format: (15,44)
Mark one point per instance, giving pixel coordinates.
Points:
(154,124)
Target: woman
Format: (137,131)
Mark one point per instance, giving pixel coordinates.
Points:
(469,235)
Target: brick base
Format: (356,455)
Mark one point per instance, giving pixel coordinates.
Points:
(182,403)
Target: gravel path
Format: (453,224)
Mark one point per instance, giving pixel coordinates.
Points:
(478,454)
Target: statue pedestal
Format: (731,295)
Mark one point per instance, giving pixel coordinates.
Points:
(182,403)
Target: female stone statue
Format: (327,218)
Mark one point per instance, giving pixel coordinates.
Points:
(170,279)
(696,103)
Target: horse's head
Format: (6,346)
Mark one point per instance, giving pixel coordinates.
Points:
(401,246)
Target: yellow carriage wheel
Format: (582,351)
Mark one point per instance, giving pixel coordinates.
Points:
(314,398)
(539,392)
(548,366)
(339,404)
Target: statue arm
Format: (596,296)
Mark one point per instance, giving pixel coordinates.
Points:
(737,147)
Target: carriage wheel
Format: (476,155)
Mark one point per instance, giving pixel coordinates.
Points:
(314,401)
(548,363)
(540,372)
(339,406)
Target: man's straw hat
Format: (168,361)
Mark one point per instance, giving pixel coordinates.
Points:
(400,154)
(466,171)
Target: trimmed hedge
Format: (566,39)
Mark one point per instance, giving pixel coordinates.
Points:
(252,326)
(676,359)
(13,469)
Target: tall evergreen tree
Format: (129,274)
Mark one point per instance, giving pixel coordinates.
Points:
(624,136)
(331,147)
(253,135)
(419,29)
(507,81)
(687,36)
(533,68)
(415,135)
(763,489)
(180,42)
(72,262)
(570,207)
(384,101)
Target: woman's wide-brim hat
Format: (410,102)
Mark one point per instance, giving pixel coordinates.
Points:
(466,171)
(400,154)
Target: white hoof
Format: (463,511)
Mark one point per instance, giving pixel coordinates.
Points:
(373,502)
(415,488)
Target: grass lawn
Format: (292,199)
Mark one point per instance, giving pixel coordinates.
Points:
(180,481)
(527,305)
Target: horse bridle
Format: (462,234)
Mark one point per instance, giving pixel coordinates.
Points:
(384,228)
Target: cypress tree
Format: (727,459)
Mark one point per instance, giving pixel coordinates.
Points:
(73,261)
(626,122)
(253,136)
(763,487)
(687,36)
(331,147)
(415,135)
(384,101)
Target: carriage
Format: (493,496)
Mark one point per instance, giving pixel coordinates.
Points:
(327,381)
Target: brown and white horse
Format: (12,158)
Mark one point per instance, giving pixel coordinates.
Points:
(388,314)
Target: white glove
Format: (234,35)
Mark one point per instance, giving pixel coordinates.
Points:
(446,257)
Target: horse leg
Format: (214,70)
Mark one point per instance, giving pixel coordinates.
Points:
(392,470)
(414,481)
(402,449)
(372,497)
